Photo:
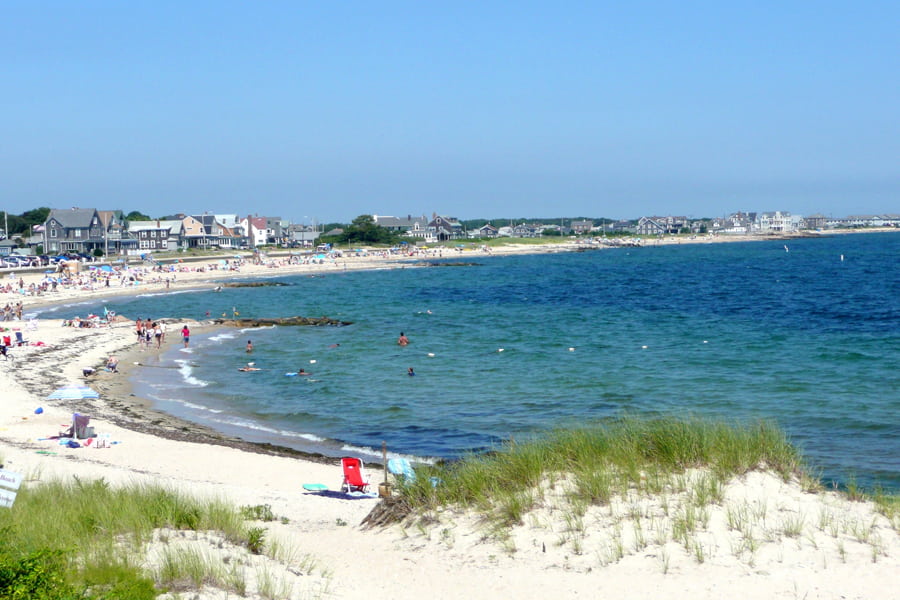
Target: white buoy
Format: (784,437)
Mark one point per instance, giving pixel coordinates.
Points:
(705,342)
(431,354)
(571,349)
(643,347)
(312,362)
(499,349)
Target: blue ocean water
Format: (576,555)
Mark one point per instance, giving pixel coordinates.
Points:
(806,336)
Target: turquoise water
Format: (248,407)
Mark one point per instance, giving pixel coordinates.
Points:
(737,331)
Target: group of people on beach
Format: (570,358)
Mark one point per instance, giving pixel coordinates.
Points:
(150,332)
(11,312)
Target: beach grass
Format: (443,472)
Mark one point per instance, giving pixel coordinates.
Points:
(645,482)
(604,460)
(88,539)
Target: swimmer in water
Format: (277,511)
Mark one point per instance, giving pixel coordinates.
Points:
(402,340)
(410,372)
(301,372)
(249,346)
(249,368)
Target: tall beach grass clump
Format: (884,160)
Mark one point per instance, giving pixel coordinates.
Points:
(604,460)
(85,539)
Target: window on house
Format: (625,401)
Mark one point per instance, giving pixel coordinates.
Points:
(53,232)
(78,233)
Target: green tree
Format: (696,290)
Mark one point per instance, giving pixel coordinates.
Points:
(364,230)
(137,216)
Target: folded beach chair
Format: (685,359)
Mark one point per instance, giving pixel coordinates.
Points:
(354,481)
(402,470)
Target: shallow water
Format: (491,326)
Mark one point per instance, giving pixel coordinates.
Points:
(737,331)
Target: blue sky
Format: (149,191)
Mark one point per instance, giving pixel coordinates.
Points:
(498,110)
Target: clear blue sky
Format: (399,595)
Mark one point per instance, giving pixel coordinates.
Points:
(328,110)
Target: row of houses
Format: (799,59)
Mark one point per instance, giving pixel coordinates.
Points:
(88,229)
(752,223)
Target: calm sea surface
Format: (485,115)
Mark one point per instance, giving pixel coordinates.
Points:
(735,331)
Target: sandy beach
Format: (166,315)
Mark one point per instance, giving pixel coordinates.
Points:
(789,544)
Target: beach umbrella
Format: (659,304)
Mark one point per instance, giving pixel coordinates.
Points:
(73,392)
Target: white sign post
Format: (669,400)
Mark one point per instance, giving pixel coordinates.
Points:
(9,481)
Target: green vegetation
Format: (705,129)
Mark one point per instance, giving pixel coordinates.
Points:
(363,230)
(20,225)
(601,461)
(88,540)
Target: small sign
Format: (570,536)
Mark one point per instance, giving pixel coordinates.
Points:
(10,479)
(7,498)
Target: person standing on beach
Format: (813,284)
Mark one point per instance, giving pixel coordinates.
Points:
(186,335)
(403,340)
(249,346)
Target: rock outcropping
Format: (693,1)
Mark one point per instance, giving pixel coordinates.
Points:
(281,321)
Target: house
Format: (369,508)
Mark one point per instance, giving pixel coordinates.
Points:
(205,231)
(487,231)
(661,225)
(117,240)
(816,221)
(527,231)
(739,223)
(298,234)
(445,228)
(775,222)
(581,227)
(650,226)
(156,236)
(73,230)
(256,230)
(410,226)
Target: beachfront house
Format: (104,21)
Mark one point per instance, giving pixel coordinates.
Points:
(776,222)
(73,230)
(156,236)
(256,230)
(487,231)
(409,226)
(445,228)
(662,225)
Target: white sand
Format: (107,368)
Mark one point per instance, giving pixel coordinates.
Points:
(841,550)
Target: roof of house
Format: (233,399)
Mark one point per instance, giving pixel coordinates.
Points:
(73,218)
(174,226)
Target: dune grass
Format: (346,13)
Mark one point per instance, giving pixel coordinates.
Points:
(604,460)
(85,539)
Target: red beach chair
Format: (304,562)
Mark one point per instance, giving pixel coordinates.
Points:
(354,481)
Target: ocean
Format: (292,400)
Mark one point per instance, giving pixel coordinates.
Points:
(513,346)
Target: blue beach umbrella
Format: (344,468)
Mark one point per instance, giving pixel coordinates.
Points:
(73,392)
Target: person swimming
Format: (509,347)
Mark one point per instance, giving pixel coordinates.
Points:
(402,340)
(410,372)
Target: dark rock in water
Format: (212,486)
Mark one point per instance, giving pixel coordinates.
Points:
(239,284)
(281,321)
